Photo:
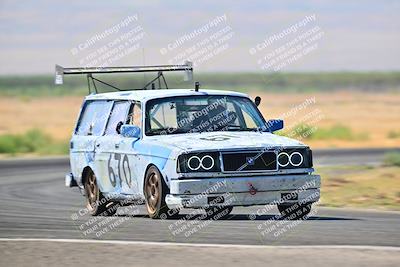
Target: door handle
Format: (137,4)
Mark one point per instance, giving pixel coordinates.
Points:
(97,145)
(116,145)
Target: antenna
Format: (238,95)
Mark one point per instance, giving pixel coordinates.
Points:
(196,86)
(144,64)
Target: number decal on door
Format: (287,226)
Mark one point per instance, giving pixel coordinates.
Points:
(123,164)
(127,171)
(111,174)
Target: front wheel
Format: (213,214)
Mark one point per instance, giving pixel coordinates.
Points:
(155,191)
(295,211)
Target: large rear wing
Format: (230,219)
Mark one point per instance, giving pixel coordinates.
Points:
(60,71)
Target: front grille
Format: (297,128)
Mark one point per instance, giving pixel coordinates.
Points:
(249,161)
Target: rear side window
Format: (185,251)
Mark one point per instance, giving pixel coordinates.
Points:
(119,113)
(94,118)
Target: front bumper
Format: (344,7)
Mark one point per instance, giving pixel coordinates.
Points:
(243,191)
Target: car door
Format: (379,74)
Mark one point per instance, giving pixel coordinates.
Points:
(114,155)
(130,160)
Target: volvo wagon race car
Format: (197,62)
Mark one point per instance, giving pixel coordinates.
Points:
(184,148)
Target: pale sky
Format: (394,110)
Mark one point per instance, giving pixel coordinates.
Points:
(353,35)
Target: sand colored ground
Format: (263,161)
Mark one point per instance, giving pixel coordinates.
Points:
(371,114)
(361,187)
(56,116)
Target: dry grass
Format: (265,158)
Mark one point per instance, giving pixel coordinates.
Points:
(364,113)
(55,116)
(362,187)
(372,114)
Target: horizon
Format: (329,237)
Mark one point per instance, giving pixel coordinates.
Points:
(222,72)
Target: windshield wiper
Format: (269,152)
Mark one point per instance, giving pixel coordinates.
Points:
(166,131)
(237,128)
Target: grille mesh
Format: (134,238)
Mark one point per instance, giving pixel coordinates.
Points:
(249,161)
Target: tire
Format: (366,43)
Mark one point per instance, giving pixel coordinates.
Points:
(217,213)
(155,191)
(110,209)
(96,203)
(295,211)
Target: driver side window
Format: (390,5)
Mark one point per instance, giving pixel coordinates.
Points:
(118,114)
(135,115)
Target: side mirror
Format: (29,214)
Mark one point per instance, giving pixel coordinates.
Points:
(257,101)
(130,131)
(118,128)
(274,125)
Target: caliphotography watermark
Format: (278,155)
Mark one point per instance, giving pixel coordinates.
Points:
(111,44)
(106,221)
(294,207)
(304,119)
(280,50)
(200,44)
(213,115)
(210,205)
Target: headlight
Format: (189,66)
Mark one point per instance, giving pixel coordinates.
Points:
(199,162)
(283,159)
(295,158)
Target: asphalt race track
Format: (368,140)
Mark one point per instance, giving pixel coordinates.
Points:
(36,204)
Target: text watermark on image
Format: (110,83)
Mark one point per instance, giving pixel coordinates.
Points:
(293,213)
(111,44)
(198,219)
(201,44)
(283,49)
(104,223)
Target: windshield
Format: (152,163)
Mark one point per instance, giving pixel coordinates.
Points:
(189,114)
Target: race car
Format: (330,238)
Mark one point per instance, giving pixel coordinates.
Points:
(174,149)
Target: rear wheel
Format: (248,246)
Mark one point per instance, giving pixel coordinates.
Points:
(155,191)
(96,203)
(295,211)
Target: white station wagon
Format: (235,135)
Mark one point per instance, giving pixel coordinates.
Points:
(184,148)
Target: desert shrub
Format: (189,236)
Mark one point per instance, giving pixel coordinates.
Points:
(393,134)
(33,141)
(336,132)
(392,159)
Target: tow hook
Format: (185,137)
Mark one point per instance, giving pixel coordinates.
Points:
(252,189)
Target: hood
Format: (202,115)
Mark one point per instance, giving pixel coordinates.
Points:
(223,141)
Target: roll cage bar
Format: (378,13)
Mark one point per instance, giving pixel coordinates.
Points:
(60,71)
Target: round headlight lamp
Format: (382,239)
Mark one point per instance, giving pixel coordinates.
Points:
(283,159)
(194,163)
(296,159)
(206,163)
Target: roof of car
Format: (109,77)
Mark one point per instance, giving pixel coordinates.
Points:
(144,95)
